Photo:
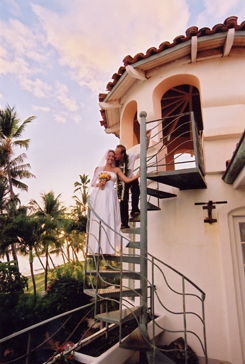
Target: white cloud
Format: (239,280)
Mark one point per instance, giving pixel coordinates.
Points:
(63,117)
(22,54)
(59,118)
(217,9)
(37,87)
(61,94)
(21,41)
(93,37)
(13,6)
(77,118)
(41,108)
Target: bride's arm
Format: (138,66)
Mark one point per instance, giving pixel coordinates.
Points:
(95,182)
(124,178)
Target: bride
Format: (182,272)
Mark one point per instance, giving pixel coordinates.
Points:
(104,202)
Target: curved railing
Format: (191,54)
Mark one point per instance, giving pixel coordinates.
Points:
(36,342)
(172,140)
(189,295)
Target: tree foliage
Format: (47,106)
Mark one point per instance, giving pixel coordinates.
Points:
(11,280)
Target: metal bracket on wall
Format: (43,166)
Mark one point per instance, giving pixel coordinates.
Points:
(209,206)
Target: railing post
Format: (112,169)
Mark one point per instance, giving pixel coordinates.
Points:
(28,351)
(143,215)
(184,317)
(204,331)
(197,147)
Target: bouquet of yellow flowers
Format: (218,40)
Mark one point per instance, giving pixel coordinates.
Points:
(104,176)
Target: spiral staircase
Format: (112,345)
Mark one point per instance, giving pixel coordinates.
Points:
(128,281)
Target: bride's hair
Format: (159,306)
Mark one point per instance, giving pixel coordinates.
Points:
(111,151)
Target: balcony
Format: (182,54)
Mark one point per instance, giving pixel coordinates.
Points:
(178,160)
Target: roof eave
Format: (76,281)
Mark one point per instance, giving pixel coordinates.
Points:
(237,162)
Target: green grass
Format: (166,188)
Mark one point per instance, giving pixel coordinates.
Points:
(39,279)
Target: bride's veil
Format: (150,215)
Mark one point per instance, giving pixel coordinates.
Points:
(100,166)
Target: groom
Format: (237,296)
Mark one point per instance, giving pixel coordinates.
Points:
(126,163)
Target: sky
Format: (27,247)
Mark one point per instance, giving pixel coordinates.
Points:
(56,56)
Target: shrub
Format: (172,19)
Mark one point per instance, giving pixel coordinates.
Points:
(11,280)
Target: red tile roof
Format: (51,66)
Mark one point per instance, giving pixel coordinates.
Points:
(230,22)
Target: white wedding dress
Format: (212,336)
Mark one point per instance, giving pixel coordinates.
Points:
(106,205)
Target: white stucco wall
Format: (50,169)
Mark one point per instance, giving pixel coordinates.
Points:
(177,234)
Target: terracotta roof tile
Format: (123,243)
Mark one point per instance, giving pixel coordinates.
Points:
(102,97)
(230,22)
(192,31)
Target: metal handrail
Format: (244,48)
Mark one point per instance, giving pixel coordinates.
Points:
(165,143)
(155,264)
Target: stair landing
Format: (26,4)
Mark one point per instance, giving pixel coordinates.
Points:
(184,179)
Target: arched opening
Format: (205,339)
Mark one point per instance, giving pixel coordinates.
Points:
(130,127)
(177,129)
(177,105)
(136,130)
(183,160)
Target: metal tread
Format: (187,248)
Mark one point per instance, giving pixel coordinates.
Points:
(117,258)
(158,357)
(131,231)
(113,292)
(115,317)
(185,179)
(135,219)
(159,194)
(136,341)
(114,274)
(134,244)
(151,207)
(125,258)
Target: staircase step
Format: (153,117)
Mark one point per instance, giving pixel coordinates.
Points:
(137,340)
(157,357)
(184,179)
(131,231)
(113,292)
(114,274)
(134,244)
(135,219)
(114,317)
(159,194)
(125,259)
(116,258)
(151,207)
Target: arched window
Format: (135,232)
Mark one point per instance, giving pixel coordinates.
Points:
(177,134)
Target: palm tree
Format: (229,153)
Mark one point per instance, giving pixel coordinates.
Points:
(10,132)
(82,203)
(53,210)
(28,230)
(73,237)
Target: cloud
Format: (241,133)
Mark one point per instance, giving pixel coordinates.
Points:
(217,9)
(41,108)
(21,41)
(61,95)
(13,6)
(63,117)
(22,54)
(37,87)
(60,118)
(93,37)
